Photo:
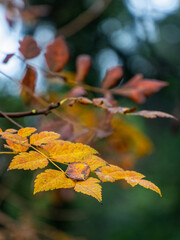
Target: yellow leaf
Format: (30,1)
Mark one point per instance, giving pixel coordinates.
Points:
(90,187)
(78,171)
(11,130)
(94,162)
(52,179)
(1,130)
(28,161)
(43,137)
(25,132)
(67,152)
(110,173)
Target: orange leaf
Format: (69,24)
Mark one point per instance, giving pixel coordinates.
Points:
(94,162)
(1,130)
(113,77)
(43,137)
(11,130)
(29,48)
(110,173)
(57,54)
(78,171)
(28,81)
(25,132)
(152,114)
(67,152)
(83,64)
(28,161)
(90,187)
(144,183)
(52,179)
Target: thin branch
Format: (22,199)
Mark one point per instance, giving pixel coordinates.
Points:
(11,120)
(81,21)
(33,112)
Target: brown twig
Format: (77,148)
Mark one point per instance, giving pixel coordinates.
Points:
(33,112)
(2,114)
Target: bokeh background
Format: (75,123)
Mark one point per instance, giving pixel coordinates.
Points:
(144,37)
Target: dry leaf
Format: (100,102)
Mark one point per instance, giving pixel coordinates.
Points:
(78,171)
(57,54)
(152,114)
(28,161)
(83,64)
(52,179)
(29,48)
(43,137)
(94,162)
(113,77)
(90,187)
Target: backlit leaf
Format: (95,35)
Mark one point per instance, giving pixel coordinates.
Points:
(25,132)
(83,64)
(43,137)
(29,48)
(57,54)
(52,179)
(113,77)
(67,152)
(90,187)
(78,171)
(28,161)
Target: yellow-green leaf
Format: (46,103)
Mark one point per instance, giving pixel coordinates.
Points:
(28,161)
(90,187)
(52,179)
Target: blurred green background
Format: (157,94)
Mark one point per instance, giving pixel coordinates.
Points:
(144,37)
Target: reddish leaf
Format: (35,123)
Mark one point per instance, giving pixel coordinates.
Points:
(152,114)
(28,81)
(29,48)
(138,88)
(78,171)
(113,77)
(83,64)
(57,54)
(8,57)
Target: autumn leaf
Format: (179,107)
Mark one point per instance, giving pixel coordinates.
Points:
(90,187)
(28,81)
(121,110)
(144,183)
(11,130)
(138,88)
(67,152)
(152,114)
(52,179)
(43,137)
(83,64)
(29,48)
(57,54)
(28,161)
(25,132)
(78,171)
(94,162)
(113,77)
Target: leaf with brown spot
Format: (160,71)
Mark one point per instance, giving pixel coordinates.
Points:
(28,81)
(29,48)
(152,114)
(78,171)
(52,179)
(90,187)
(25,132)
(113,77)
(57,54)
(43,137)
(83,64)
(101,102)
(28,161)
(8,57)
(109,173)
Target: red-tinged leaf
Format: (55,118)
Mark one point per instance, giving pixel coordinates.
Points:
(28,161)
(52,179)
(101,102)
(57,54)
(152,114)
(90,187)
(113,77)
(77,92)
(25,132)
(121,110)
(43,137)
(29,48)
(78,171)
(144,183)
(83,64)
(28,81)
(138,88)
(8,57)
(94,162)
(67,152)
